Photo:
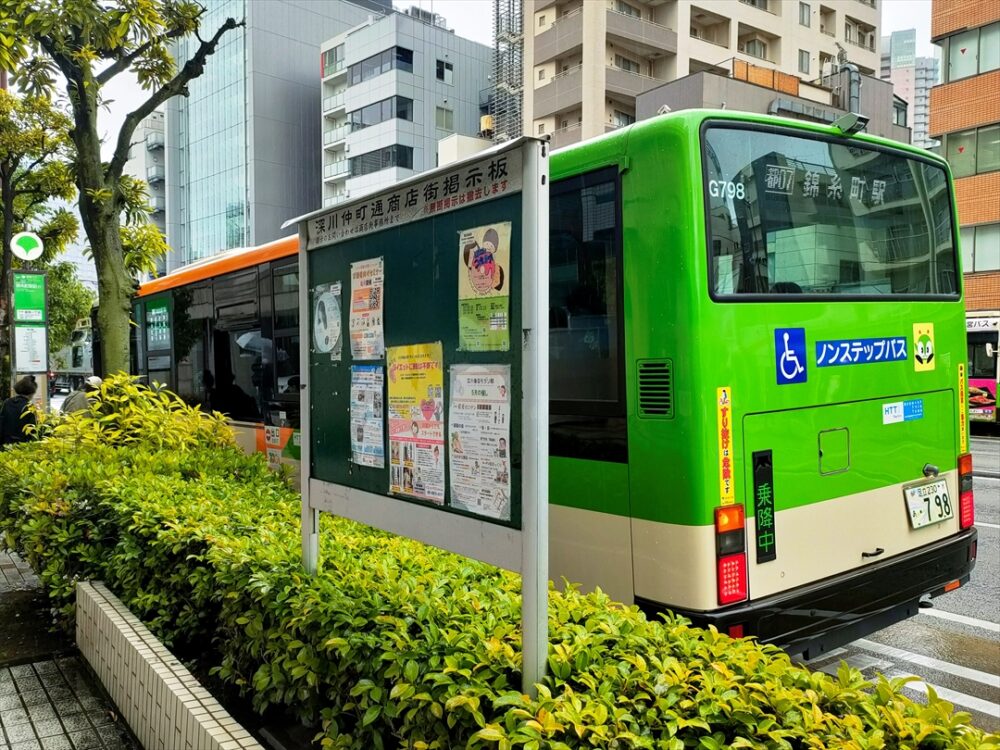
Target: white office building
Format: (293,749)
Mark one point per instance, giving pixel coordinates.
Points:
(912,80)
(392,87)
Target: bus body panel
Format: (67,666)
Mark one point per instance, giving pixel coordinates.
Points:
(982,329)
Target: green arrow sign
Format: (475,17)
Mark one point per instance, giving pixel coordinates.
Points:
(26,245)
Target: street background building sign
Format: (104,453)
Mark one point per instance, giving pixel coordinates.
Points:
(433,422)
(30,321)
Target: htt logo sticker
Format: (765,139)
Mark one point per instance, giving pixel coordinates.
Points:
(923,347)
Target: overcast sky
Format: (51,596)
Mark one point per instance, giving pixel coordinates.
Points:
(898,15)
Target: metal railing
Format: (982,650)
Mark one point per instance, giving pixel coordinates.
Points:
(332,103)
(568,72)
(639,19)
(155,173)
(766,7)
(335,135)
(335,168)
(329,70)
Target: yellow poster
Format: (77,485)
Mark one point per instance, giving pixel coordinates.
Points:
(963,410)
(923,346)
(483,282)
(416,421)
(724,402)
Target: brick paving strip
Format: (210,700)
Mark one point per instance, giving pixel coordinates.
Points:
(48,698)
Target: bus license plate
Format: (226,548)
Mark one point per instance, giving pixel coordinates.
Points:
(929,503)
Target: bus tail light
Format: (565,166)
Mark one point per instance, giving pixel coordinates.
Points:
(966,500)
(730,547)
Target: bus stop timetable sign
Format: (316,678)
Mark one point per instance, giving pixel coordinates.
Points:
(429,417)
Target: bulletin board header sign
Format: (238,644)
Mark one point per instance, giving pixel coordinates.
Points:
(440,191)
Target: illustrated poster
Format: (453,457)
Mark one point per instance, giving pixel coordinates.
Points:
(367,280)
(479,439)
(416,421)
(483,282)
(367,437)
(327,327)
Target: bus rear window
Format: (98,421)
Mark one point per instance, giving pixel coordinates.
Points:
(803,215)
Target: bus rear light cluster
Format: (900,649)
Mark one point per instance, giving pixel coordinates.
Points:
(730,548)
(966,500)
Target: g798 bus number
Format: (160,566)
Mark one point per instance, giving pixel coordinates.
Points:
(726,189)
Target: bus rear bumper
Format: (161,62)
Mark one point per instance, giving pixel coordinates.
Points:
(812,619)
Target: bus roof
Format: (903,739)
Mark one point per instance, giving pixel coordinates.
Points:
(217,265)
(611,148)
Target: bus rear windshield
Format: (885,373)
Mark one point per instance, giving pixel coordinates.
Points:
(789,214)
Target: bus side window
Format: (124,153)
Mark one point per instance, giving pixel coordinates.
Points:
(585,324)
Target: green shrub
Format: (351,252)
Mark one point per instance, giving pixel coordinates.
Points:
(396,644)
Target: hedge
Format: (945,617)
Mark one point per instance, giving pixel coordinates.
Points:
(394,643)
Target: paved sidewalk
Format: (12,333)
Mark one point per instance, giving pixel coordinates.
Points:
(48,698)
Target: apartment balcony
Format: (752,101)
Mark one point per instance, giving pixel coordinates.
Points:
(765,5)
(563,92)
(155,173)
(335,169)
(335,137)
(334,71)
(624,83)
(333,105)
(567,136)
(159,203)
(565,35)
(650,38)
(155,140)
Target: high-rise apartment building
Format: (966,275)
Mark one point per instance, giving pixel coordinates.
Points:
(146,162)
(241,148)
(586,61)
(392,87)
(965,116)
(912,79)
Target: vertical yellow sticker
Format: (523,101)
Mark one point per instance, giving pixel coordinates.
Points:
(923,347)
(727,494)
(963,410)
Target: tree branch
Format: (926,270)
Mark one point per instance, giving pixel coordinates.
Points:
(124,63)
(192,69)
(22,173)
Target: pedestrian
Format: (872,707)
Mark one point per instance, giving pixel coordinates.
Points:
(15,415)
(80,399)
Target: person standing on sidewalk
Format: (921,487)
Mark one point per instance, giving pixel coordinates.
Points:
(80,400)
(15,415)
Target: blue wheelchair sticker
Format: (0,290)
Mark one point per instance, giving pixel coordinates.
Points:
(790,355)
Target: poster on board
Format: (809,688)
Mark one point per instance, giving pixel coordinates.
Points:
(416,421)
(367,280)
(483,288)
(327,328)
(367,438)
(479,439)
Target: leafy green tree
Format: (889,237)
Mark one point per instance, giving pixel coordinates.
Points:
(34,172)
(90,42)
(69,300)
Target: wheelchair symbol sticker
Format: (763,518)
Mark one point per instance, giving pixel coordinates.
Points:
(790,355)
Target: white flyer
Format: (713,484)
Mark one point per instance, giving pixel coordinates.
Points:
(367,432)
(367,283)
(326,320)
(479,439)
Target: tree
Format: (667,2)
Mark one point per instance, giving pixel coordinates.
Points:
(34,170)
(69,300)
(90,42)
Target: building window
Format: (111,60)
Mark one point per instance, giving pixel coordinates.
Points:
(541,20)
(899,114)
(981,248)
(382,158)
(395,58)
(541,74)
(621,119)
(444,119)
(541,128)
(803,61)
(445,71)
(627,10)
(762,4)
(755,48)
(387,109)
(627,64)
(972,52)
(972,152)
(804,14)
(333,60)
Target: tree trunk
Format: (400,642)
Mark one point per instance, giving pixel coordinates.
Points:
(6,332)
(115,289)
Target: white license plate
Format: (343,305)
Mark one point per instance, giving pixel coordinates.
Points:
(929,503)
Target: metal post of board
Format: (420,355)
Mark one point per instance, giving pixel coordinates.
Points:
(535,423)
(310,516)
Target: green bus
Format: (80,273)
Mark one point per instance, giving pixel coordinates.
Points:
(757,353)
(757,396)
